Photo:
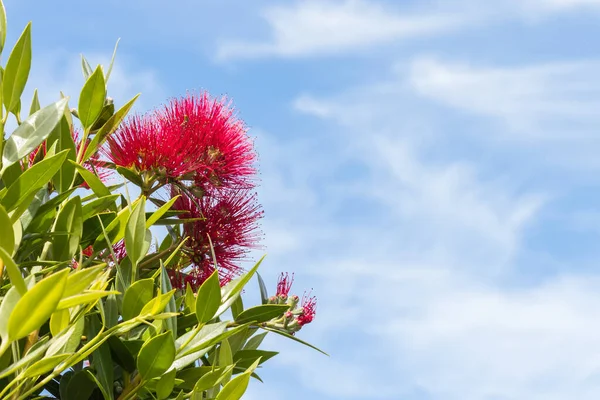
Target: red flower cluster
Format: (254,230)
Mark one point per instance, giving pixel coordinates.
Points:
(199,140)
(295,317)
(309,309)
(192,138)
(230,219)
(284,284)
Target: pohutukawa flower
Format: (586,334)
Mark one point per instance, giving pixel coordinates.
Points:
(230,219)
(309,309)
(141,142)
(284,285)
(226,151)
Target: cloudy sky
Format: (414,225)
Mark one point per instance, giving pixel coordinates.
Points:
(430,168)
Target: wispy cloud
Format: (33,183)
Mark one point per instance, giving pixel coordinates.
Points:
(322,27)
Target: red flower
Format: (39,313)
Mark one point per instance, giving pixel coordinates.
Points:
(284,284)
(230,219)
(309,308)
(225,152)
(141,142)
(192,138)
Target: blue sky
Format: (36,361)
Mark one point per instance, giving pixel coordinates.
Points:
(429,168)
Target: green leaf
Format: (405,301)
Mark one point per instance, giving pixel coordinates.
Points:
(80,386)
(264,295)
(160,212)
(136,296)
(208,298)
(64,382)
(92,180)
(70,220)
(157,304)
(208,337)
(294,338)
(245,358)
(135,233)
(35,103)
(85,67)
(61,135)
(121,354)
(37,304)
(98,205)
(190,300)
(101,360)
(81,280)
(112,60)
(32,180)
(262,313)
(90,296)
(35,353)
(235,389)
(211,379)
(68,340)
(17,70)
(59,321)
(91,98)
(237,307)
(236,286)
(108,128)
(14,273)
(8,303)
(32,132)
(111,309)
(156,356)
(255,341)
(225,357)
(44,365)
(3,26)
(7,236)
(165,385)
(165,287)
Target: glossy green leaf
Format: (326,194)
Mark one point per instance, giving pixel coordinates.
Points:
(7,236)
(3,26)
(112,60)
(59,321)
(16,71)
(32,180)
(98,205)
(108,128)
(157,304)
(135,233)
(208,298)
(92,180)
(136,296)
(14,273)
(235,389)
(255,341)
(264,295)
(237,307)
(81,280)
(165,385)
(44,365)
(190,299)
(91,98)
(156,356)
(61,136)
(206,340)
(101,360)
(35,353)
(32,132)
(38,304)
(121,354)
(87,297)
(7,305)
(115,230)
(211,379)
(225,357)
(86,68)
(111,310)
(68,340)
(80,386)
(262,313)
(245,358)
(69,220)
(294,338)
(35,103)
(160,212)
(165,287)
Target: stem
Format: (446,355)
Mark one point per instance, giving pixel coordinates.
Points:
(127,394)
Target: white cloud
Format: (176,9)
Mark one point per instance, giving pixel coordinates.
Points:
(548,101)
(322,27)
